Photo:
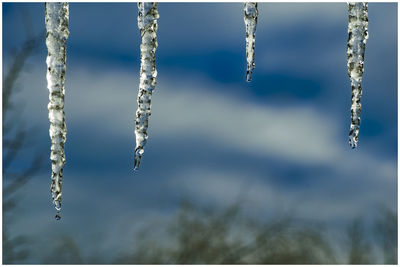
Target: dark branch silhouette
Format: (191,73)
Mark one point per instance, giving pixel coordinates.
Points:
(16,137)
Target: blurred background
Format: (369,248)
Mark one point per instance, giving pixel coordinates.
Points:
(233,172)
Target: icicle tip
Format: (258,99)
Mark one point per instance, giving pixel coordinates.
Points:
(248,76)
(352,142)
(137,163)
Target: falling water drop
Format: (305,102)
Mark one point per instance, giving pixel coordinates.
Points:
(56,18)
(147,23)
(358,35)
(250,20)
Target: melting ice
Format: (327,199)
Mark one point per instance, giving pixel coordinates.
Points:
(250,20)
(358,35)
(56,18)
(147,23)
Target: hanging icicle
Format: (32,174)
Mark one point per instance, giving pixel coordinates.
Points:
(147,23)
(358,35)
(56,17)
(250,20)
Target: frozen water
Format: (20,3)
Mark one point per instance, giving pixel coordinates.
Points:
(56,18)
(250,20)
(147,23)
(358,35)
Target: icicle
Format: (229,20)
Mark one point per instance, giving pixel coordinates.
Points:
(56,16)
(147,23)
(250,20)
(358,35)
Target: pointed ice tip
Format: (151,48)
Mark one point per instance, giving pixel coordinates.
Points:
(352,143)
(248,76)
(137,164)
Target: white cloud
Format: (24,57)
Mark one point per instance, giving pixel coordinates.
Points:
(199,109)
(296,133)
(344,194)
(107,100)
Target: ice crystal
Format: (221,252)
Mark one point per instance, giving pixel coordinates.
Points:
(147,23)
(358,35)
(250,20)
(56,18)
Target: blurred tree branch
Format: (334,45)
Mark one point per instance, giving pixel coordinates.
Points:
(359,248)
(16,137)
(386,233)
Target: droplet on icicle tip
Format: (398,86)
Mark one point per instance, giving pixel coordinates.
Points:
(56,20)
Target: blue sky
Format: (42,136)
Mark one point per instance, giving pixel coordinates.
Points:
(276,144)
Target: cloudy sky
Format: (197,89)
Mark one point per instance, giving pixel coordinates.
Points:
(278,144)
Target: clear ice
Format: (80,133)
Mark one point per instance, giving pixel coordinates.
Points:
(358,35)
(147,23)
(56,17)
(250,20)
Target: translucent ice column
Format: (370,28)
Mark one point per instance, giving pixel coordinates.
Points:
(250,20)
(358,35)
(56,17)
(147,23)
